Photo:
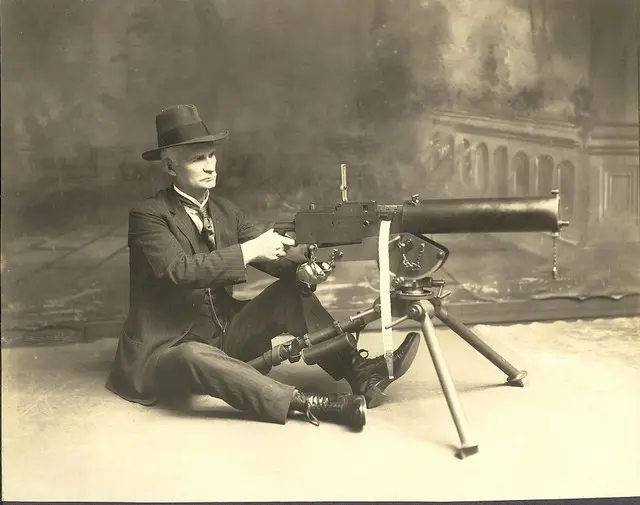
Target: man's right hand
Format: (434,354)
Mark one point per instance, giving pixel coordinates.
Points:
(268,246)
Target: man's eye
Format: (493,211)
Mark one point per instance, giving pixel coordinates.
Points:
(211,155)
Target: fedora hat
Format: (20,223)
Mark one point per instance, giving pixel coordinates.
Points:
(180,125)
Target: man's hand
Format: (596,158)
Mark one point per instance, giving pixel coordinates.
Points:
(313,273)
(268,246)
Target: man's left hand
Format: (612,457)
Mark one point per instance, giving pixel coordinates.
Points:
(313,273)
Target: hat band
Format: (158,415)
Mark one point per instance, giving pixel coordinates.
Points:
(182,134)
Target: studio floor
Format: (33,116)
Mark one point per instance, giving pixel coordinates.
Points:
(572,431)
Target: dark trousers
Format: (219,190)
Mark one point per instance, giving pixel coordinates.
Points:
(195,367)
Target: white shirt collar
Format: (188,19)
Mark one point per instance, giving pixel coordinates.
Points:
(192,199)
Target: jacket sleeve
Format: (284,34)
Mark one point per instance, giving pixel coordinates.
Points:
(150,234)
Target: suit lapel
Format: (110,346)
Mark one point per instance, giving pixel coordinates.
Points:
(182,219)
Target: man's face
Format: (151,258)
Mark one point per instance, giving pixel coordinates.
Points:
(195,168)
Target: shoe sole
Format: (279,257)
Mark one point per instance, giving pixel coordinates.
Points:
(375,395)
(360,416)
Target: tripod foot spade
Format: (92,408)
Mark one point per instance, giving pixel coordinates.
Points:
(467,450)
(518,379)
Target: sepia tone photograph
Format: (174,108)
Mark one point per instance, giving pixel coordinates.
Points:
(319,250)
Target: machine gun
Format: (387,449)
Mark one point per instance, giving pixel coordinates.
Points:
(407,260)
(350,223)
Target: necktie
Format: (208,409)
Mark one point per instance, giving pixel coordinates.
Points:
(207,223)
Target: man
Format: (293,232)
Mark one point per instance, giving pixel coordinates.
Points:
(186,334)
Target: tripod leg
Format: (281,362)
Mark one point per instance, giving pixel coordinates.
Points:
(514,376)
(448,387)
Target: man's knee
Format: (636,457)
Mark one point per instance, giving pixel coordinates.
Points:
(288,291)
(281,287)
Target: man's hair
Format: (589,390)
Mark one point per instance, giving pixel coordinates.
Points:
(171,156)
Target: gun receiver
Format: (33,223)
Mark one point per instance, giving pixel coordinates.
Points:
(350,222)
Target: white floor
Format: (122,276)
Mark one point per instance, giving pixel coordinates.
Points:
(573,431)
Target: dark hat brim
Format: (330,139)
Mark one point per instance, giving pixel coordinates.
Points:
(154,154)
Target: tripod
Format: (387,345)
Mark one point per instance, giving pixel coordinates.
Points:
(418,301)
(421,303)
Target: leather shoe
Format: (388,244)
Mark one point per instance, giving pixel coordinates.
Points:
(369,377)
(341,408)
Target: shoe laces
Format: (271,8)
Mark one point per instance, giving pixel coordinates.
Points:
(310,417)
(366,372)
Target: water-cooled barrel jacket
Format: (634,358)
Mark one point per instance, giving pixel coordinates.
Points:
(168,278)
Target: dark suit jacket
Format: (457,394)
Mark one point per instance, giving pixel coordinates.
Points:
(168,278)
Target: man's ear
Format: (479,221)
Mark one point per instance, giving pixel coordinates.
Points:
(170,169)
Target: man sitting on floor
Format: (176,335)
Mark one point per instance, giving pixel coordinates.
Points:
(186,334)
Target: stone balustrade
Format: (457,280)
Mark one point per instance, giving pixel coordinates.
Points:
(597,175)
